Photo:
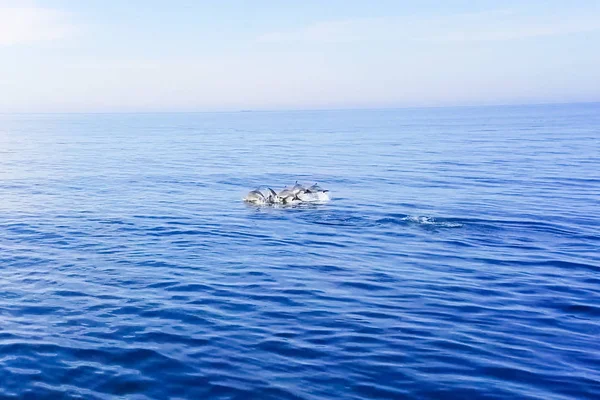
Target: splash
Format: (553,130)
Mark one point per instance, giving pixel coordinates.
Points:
(431,221)
(421,220)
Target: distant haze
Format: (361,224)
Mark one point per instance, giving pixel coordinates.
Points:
(151,55)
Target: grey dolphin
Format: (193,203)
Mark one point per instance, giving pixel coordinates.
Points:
(291,200)
(313,194)
(287,196)
(286,193)
(317,188)
(255,197)
(273,197)
(298,188)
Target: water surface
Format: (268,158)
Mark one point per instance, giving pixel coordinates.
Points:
(459,256)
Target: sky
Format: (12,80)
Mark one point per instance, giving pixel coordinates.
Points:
(177,55)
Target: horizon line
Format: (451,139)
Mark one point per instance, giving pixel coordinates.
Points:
(250,110)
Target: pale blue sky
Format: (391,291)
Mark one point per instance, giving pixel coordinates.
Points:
(150,55)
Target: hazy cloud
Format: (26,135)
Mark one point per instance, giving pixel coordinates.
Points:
(482,26)
(133,63)
(20,25)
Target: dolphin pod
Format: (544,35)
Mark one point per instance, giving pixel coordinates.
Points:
(295,195)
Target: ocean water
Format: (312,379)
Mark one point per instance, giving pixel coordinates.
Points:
(459,256)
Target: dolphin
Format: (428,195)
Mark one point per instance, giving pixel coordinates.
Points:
(268,193)
(312,195)
(273,197)
(316,188)
(291,200)
(286,193)
(287,196)
(298,188)
(255,197)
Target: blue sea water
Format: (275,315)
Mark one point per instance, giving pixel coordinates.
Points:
(459,256)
